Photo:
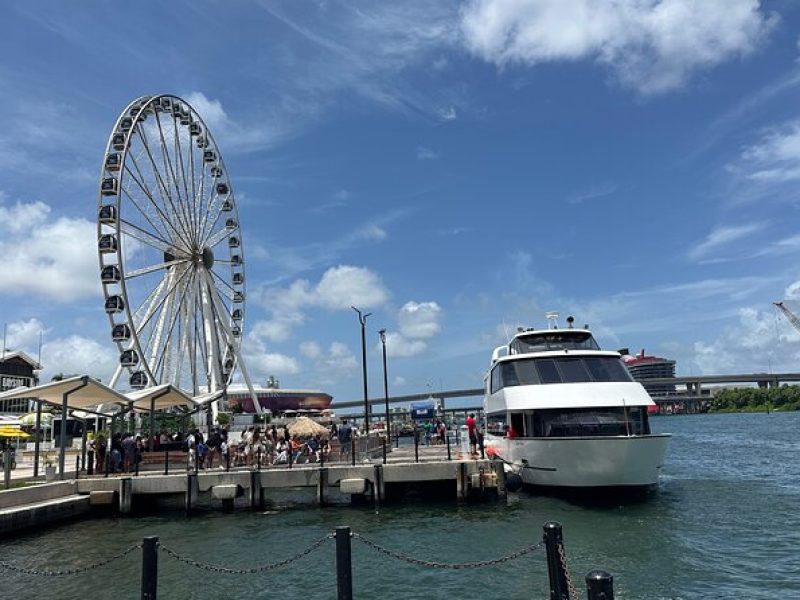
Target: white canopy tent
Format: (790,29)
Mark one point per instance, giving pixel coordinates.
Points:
(83,393)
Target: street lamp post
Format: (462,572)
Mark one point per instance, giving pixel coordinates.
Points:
(382,333)
(362,318)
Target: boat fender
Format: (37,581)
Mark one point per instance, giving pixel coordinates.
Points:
(513,482)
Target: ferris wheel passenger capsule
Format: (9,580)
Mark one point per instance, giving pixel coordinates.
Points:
(110,274)
(107,244)
(222,189)
(236,331)
(113,162)
(202,142)
(114,304)
(238,278)
(121,333)
(227,206)
(125,124)
(216,171)
(118,141)
(129,358)
(108,214)
(195,129)
(227,366)
(238,297)
(209,156)
(233,242)
(236,260)
(138,380)
(236,314)
(176,109)
(109,186)
(186,116)
(230,224)
(165,104)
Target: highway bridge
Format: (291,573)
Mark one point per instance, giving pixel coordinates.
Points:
(692,393)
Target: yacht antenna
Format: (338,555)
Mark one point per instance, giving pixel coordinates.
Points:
(552,318)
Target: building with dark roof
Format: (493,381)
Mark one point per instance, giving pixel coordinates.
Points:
(643,367)
(17,369)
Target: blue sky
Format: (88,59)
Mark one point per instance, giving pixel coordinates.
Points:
(455,168)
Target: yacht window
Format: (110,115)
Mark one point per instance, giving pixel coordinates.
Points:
(496,423)
(573,370)
(547,371)
(584,422)
(495,383)
(554,340)
(518,423)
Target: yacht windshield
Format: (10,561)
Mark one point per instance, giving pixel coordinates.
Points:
(554,340)
(560,369)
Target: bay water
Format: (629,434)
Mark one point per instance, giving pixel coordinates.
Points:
(723,523)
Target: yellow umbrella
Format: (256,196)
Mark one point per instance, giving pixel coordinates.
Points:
(8,432)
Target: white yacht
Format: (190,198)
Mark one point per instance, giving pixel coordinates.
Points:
(563,413)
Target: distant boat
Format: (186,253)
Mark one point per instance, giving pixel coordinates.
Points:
(566,414)
(278,400)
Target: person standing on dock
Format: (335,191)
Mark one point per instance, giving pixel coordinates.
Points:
(473,434)
(345,437)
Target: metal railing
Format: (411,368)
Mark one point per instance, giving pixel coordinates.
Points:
(599,584)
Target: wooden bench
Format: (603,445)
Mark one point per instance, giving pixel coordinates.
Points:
(154,458)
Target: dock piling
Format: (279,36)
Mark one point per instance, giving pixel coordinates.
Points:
(191,492)
(150,568)
(322,486)
(125,495)
(556,571)
(599,585)
(344,568)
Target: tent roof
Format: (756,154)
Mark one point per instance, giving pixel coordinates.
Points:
(165,395)
(86,393)
(204,399)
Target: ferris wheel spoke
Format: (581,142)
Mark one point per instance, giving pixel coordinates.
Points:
(169,170)
(162,359)
(213,195)
(215,239)
(223,282)
(190,208)
(162,186)
(157,267)
(157,307)
(166,221)
(126,192)
(145,237)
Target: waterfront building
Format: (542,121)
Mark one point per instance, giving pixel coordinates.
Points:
(17,369)
(273,398)
(643,367)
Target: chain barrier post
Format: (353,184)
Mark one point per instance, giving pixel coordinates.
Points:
(397,440)
(136,461)
(7,466)
(77,467)
(449,457)
(384,450)
(416,446)
(90,462)
(344,568)
(599,585)
(353,451)
(553,538)
(228,459)
(166,462)
(150,568)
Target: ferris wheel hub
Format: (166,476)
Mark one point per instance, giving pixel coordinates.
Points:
(207,258)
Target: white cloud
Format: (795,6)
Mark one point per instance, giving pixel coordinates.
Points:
(398,346)
(76,354)
(753,344)
(373,232)
(448,113)
(210,111)
(54,258)
(339,288)
(24,335)
(650,45)
(792,291)
(399,381)
(598,191)
(419,319)
(424,153)
(720,237)
(775,158)
(345,286)
(310,349)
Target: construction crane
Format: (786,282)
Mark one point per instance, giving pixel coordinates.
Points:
(790,316)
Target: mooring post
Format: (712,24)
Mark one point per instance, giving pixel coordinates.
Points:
(449,457)
(90,464)
(353,451)
(384,450)
(78,467)
(344,568)
(136,460)
(554,546)
(416,447)
(322,491)
(256,491)
(125,495)
(191,492)
(599,585)
(379,488)
(150,568)
(166,462)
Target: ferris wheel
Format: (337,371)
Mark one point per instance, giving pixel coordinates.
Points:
(170,251)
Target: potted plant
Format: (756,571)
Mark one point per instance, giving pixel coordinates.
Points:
(49,467)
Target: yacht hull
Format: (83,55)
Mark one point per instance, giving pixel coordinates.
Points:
(584,462)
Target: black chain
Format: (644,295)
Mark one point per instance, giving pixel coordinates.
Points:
(250,571)
(478,564)
(65,572)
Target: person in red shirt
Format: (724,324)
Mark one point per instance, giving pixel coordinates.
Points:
(473,434)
